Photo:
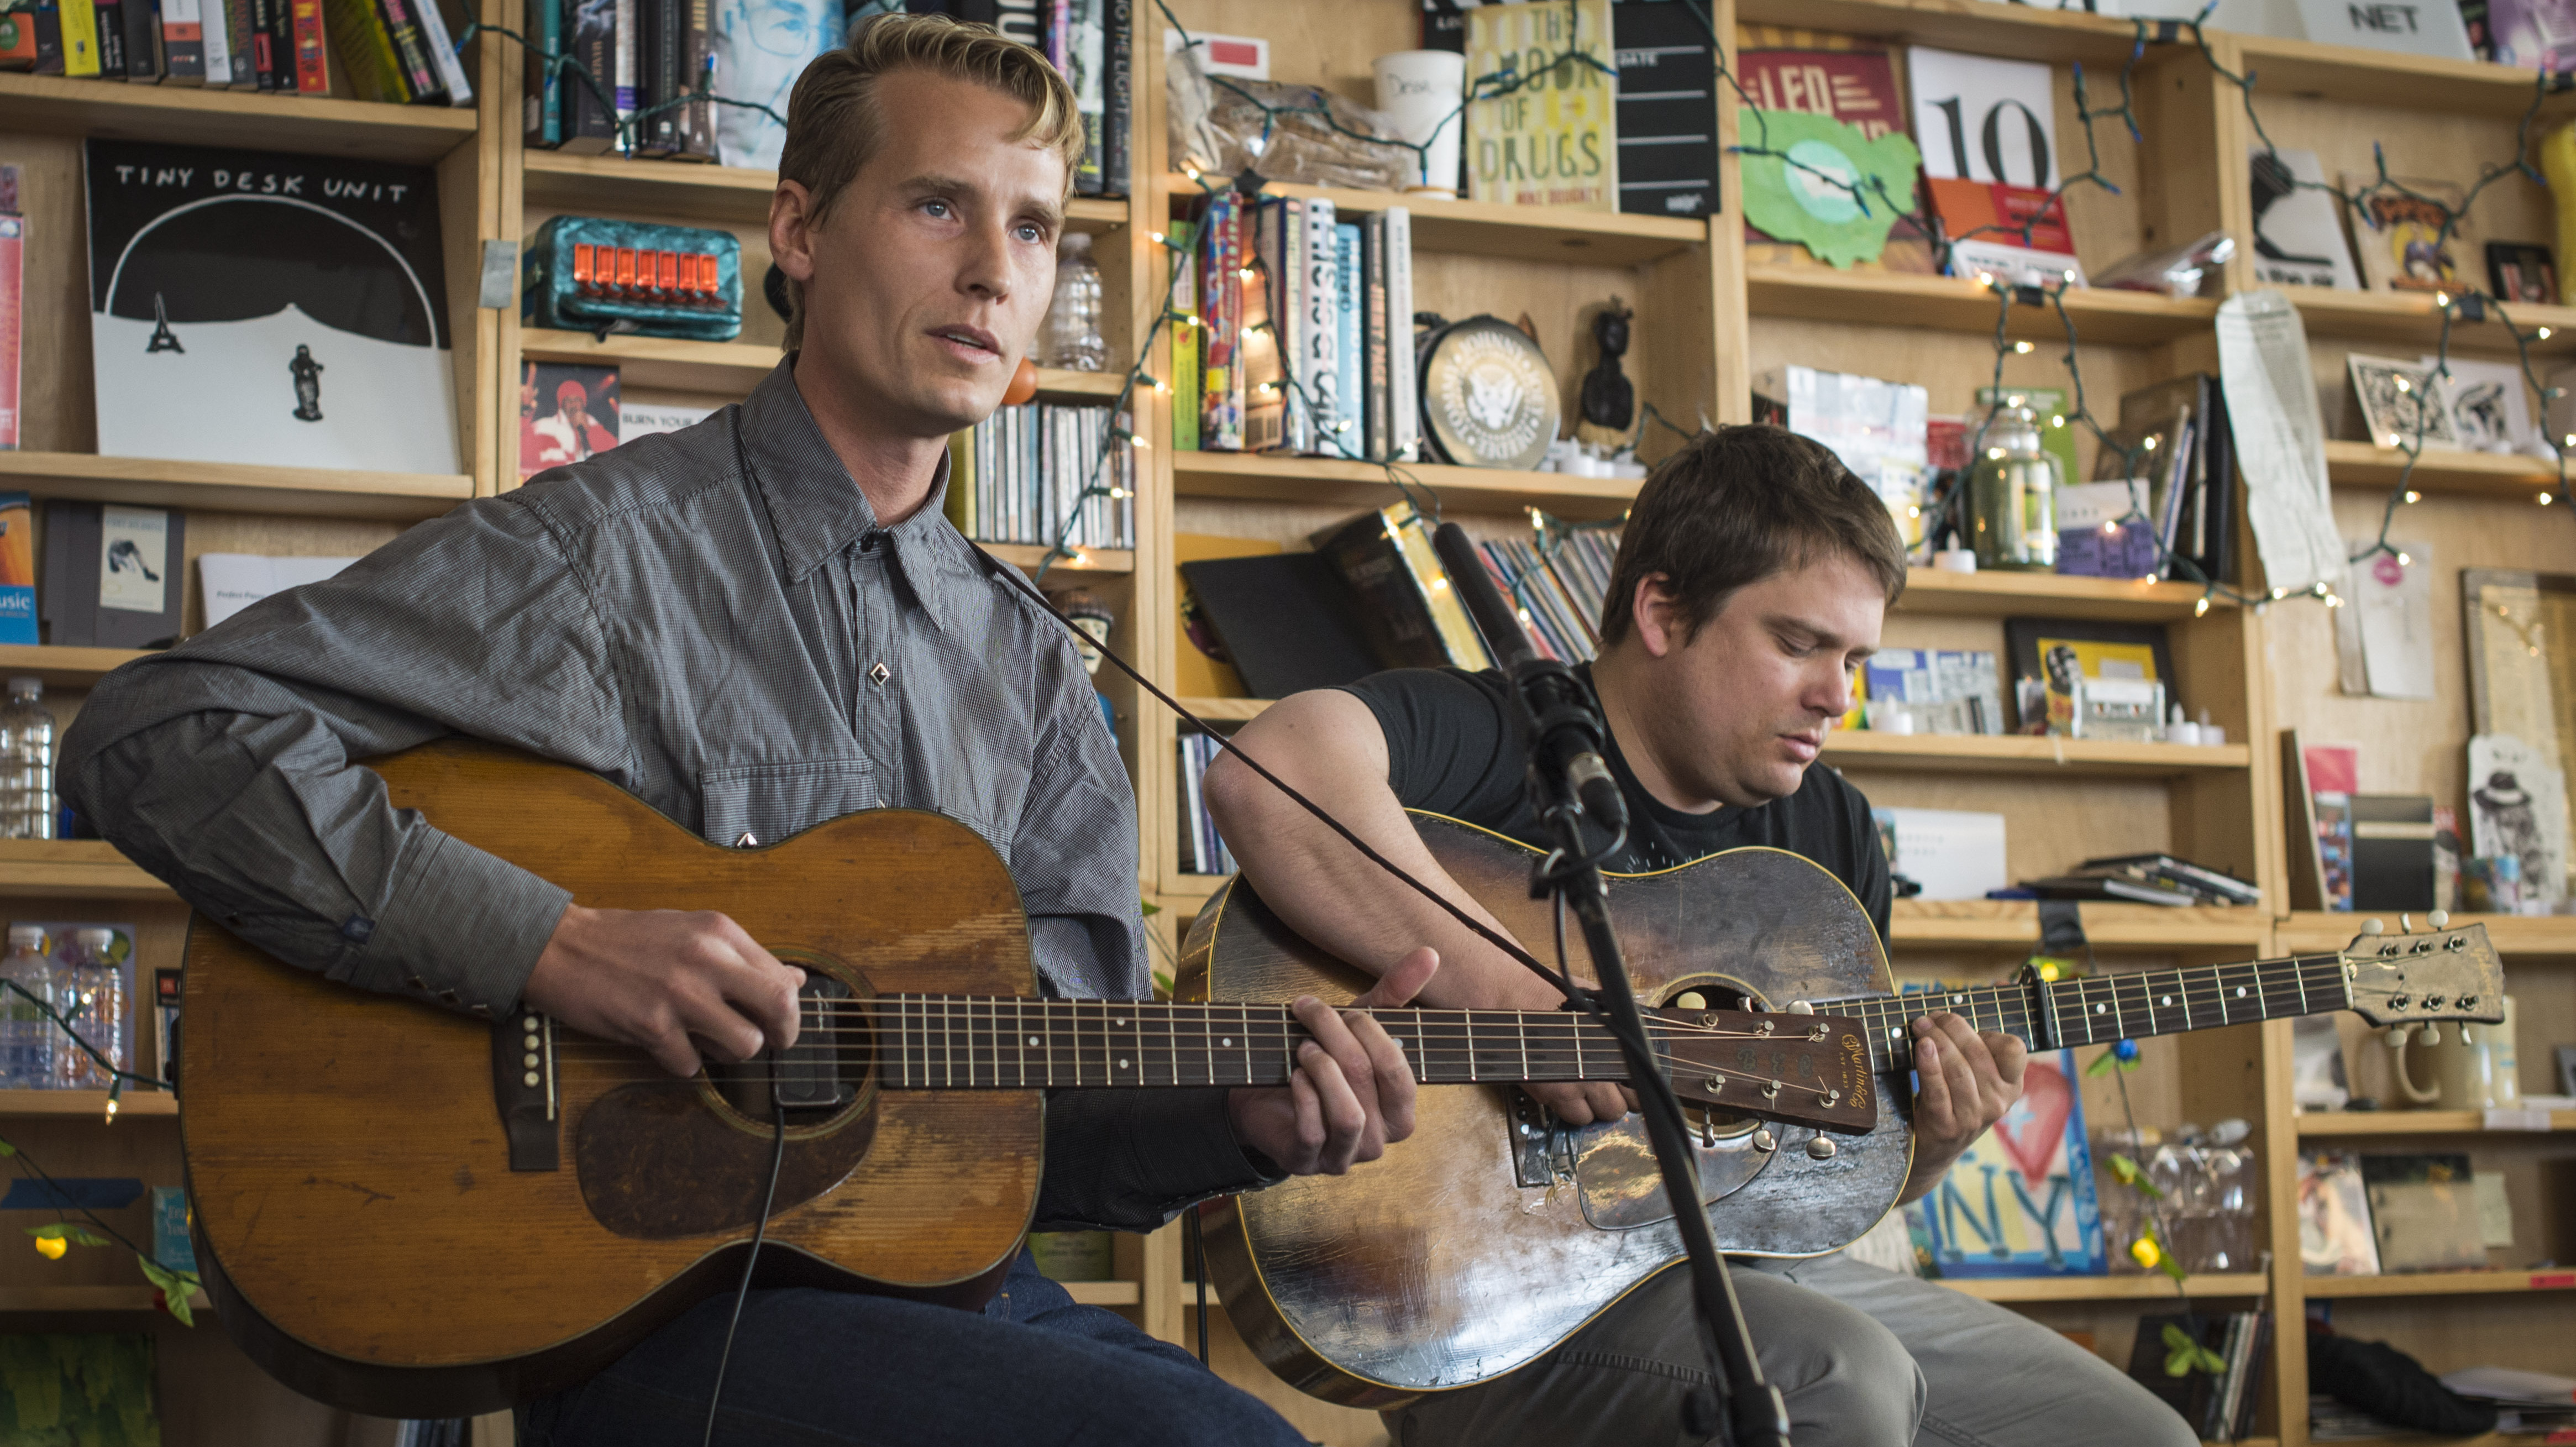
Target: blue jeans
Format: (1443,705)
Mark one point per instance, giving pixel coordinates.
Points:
(831,1369)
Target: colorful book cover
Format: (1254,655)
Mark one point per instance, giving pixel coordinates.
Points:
(2335,1238)
(2533,34)
(1855,87)
(183,41)
(1404,382)
(2397,230)
(367,51)
(566,413)
(2048,410)
(1319,330)
(1376,383)
(1350,431)
(1554,140)
(1187,375)
(13,316)
(1220,311)
(17,568)
(2015,232)
(1265,316)
(2020,1202)
(311,47)
(170,1244)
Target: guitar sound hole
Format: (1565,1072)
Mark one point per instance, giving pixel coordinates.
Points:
(824,1073)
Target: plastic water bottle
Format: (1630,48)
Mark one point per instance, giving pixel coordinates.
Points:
(84,976)
(2229,1244)
(1072,337)
(26,1036)
(26,762)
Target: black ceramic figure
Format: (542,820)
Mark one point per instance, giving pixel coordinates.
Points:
(1609,399)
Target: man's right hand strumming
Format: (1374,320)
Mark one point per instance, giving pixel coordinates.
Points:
(675,984)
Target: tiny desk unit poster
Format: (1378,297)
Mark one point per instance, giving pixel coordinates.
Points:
(2020,1202)
(250,306)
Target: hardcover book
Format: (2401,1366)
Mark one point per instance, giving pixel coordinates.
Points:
(590,104)
(2298,229)
(111,576)
(18,569)
(1187,375)
(1982,119)
(2017,232)
(2020,1202)
(1857,87)
(259,307)
(1413,618)
(1554,141)
(761,46)
(309,48)
(567,413)
(1667,90)
(367,52)
(183,41)
(13,319)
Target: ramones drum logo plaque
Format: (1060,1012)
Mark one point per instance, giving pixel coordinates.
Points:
(1488,397)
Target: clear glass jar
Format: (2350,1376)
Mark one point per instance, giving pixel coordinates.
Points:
(2012,497)
(26,762)
(1070,338)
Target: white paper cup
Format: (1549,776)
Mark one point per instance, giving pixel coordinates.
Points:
(1955,560)
(1419,90)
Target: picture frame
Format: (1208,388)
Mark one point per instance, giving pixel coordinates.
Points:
(2403,403)
(2049,653)
(2490,405)
(2520,272)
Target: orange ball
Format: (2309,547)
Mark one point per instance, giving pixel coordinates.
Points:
(1024,384)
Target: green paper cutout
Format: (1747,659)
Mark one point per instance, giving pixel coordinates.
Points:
(1797,202)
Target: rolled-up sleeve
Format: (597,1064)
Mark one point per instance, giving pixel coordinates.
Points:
(228,766)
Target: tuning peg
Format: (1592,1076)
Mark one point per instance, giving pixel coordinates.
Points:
(2395,1036)
(2374,926)
(1690,1000)
(2432,1033)
(2439,919)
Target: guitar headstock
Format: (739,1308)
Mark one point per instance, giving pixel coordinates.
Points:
(2437,974)
(1810,1070)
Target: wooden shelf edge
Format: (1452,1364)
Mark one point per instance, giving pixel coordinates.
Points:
(2320,931)
(73,869)
(729,193)
(1861,748)
(2444,1283)
(1488,228)
(1936,590)
(1088,560)
(91,1103)
(236,486)
(2446,470)
(200,115)
(1104,1293)
(65,667)
(1956,304)
(2102,1288)
(2414,1122)
(2014,924)
(1268,477)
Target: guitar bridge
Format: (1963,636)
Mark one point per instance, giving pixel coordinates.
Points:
(1542,1146)
(523,1086)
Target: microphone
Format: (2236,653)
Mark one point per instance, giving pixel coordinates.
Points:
(1564,727)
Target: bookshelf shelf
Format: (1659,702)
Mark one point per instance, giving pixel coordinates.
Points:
(2389,78)
(2023,753)
(1262,477)
(1104,1293)
(1227,710)
(197,116)
(1515,233)
(2012,32)
(89,1298)
(2320,930)
(2443,1283)
(2142,1287)
(1088,560)
(2409,317)
(236,486)
(2414,1122)
(729,367)
(2480,474)
(73,869)
(1951,304)
(685,190)
(64,667)
(2014,924)
(1931,590)
(88,1103)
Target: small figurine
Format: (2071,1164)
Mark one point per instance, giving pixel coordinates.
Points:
(308,385)
(1609,401)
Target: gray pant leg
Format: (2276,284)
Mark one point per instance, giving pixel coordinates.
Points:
(1619,1382)
(1995,1378)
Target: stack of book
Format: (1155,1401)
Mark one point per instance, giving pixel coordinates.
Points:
(2219,1405)
(1017,475)
(2165,873)
(1558,592)
(398,51)
(1203,850)
(647,56)
(1300,336)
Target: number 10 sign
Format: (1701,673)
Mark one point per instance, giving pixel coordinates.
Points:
(1980,119)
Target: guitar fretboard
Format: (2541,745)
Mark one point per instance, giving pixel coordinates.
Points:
(2099,1009)
(968,1042)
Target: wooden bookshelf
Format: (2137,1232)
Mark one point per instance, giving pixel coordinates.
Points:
(236,486)
(1954,304)
(1514,233)
(2441,470)
(2023,753)
(2443,1283)
(2415,319)
(2012,32)
(731,367)
(199,116)
(1265,477)
(2146,1286)
(2052,595)
(1084,560)
(1104,1293)
(2413,1122)
(73,869)
(64,667)
(2318,930)
(2014,924)
(137,1102)
(681,190)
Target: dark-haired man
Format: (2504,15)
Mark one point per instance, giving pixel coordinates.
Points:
(1752,579)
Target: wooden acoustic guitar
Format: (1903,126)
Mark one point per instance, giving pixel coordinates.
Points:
(407,1212)
(1495,1232)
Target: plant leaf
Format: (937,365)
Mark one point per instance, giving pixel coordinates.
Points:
(51,1231)
(83,1236)
(175,1286)
(2100,1066)
(7,1149)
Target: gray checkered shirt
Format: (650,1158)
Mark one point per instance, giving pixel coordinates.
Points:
(714,621)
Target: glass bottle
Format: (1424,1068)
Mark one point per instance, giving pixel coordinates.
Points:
(86,977)
(2232,1171)
(1071,339)
(2012,497)
(26,1036)
(26,762)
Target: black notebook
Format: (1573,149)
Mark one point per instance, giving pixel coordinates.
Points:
(1287,620)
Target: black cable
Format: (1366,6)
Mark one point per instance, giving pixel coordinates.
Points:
(1198,1272)
(768,1198)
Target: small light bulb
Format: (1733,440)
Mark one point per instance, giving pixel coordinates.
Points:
(2319,589)
(2404,561)
(1245,273)
(1078,558)
(2201,608)
(1439,584)
(1995,452)
(2147,578)
(1192,171)
(2070,276)
(2544,499)
(1141,444)
(2393,440)
(1161,387)
(2441,298)
(2544,334)
(2333,602)
(111,1110)
(2413,496)
(2110,530)
(2014,400)
(2021,348)
(1117,493)
(1158,237)
(2149,444)
(1523,615)
(2279,593)
(1985,278)
(2057,421)
(2402,385)
(1913,512)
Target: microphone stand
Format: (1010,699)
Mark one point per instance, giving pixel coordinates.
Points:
(1567,780)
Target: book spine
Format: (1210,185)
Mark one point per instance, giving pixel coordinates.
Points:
(49,39)
(1220,284)
(183,41)
(1319,331)
(1186,372)
(541,89)
(13,260)
(224,58)
(698,73)
(366,51)
(1350,431)
(1373,331)
(1085,57)
(667,34)
(1261,330)
(1117,81)
(80,38)
(590,109)
(1404,402)
(312,45)
(411,51)
(442,52)
(143,63)
(1285,261)
(264,68)
(624,56)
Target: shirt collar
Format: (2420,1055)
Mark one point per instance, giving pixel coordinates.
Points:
(817,511)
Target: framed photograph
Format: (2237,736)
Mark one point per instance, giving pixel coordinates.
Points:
(2398,233)
(2402,402)
(2522,667)
(2049,656)
(2521,271)
(2490,405)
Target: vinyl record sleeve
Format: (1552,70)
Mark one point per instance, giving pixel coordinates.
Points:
(253,306)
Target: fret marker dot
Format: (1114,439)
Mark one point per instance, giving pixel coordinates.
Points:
(2167,1000)
(2099,1009)
(1121,1024)
(2240,992)
(1033,1040)
(1228,1042)
(1122,1064)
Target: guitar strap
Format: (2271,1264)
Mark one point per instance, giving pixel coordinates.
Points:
(1483,931)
